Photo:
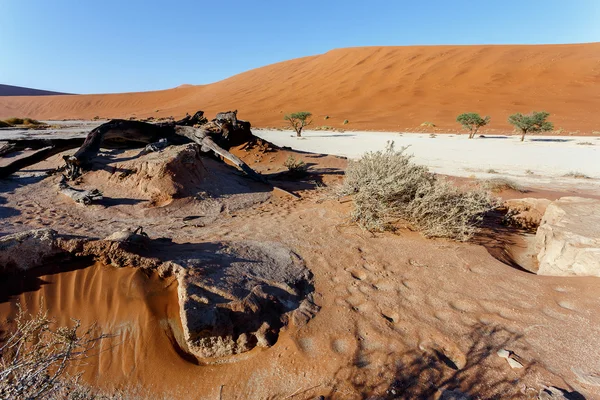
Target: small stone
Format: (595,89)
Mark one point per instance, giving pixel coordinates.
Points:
(503,353)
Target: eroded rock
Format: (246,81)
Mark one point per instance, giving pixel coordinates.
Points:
(233,296)
(25,250)
(568,239)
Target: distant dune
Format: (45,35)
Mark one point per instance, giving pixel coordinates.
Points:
(8,90)
(387,88)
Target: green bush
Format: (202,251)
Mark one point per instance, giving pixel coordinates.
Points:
(472,122)
(534,122)
(388,188)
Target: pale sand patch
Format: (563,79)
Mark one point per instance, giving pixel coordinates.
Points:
(548,157)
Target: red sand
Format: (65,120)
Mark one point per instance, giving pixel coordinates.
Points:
(388,88)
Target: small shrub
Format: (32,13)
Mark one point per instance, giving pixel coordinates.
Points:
(4,124)
(96,118)
(35,355)
(491,171)
(387,188)
(346,122)
(501,184)
(296,167)
(428,124)
(326,117)
(22,121)
(432,135)
(529,172)
(576,175)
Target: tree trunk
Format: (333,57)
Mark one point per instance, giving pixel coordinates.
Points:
(299,132)
(523,136)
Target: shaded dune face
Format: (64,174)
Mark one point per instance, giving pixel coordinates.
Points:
(391,88)
(139,310)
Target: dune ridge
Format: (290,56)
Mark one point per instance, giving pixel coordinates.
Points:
(375,88)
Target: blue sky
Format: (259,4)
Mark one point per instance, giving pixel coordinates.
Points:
(86,46)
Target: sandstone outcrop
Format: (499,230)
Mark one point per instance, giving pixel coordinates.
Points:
(233,296)
(568,239)
(25,250)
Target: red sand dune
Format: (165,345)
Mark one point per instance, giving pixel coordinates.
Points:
(389,88)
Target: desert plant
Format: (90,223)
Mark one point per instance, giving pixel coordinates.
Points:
(577,175)
(491,171)
(326,117)
(346,122)
(294,166)
(387,187)
(428,124)
(534,122)
(298,120)
(472,122)
(22,121)
(501,184)
(34,356)
(4,124)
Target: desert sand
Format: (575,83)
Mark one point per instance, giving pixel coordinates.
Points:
(399,314)
(375,88)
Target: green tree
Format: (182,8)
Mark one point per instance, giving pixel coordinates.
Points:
(534,122)
(472,122)
(298,120)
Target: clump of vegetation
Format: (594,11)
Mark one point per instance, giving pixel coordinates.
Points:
(346,122)
(96,118)
(22,121)
(326,117)
(529,172)
(298,121)
(294,166)
(4,124)
(501,184)
(472,122)
(577,175)
(534,122)
(388,188)
(35,355)
(491,171)
(428,124)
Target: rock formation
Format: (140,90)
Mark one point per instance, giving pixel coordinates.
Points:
(568,239)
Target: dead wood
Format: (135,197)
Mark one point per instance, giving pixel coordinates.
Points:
(84,197)
(46,148)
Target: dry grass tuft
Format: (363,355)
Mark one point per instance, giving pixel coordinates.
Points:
(500,184)
(389,188)
(577,175)
(22,121)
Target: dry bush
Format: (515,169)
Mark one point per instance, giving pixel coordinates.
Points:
(388,187)
(4,124)
(501,184)
(576,175)
(296,167)
(22,121)
(35,355)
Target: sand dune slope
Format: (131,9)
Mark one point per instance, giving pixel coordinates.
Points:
(391,88)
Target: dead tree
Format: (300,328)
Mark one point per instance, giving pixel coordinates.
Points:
(120,133)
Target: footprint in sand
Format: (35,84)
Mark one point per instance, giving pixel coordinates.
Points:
(340,346)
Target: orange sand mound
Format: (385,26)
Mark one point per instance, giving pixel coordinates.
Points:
(389,88)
